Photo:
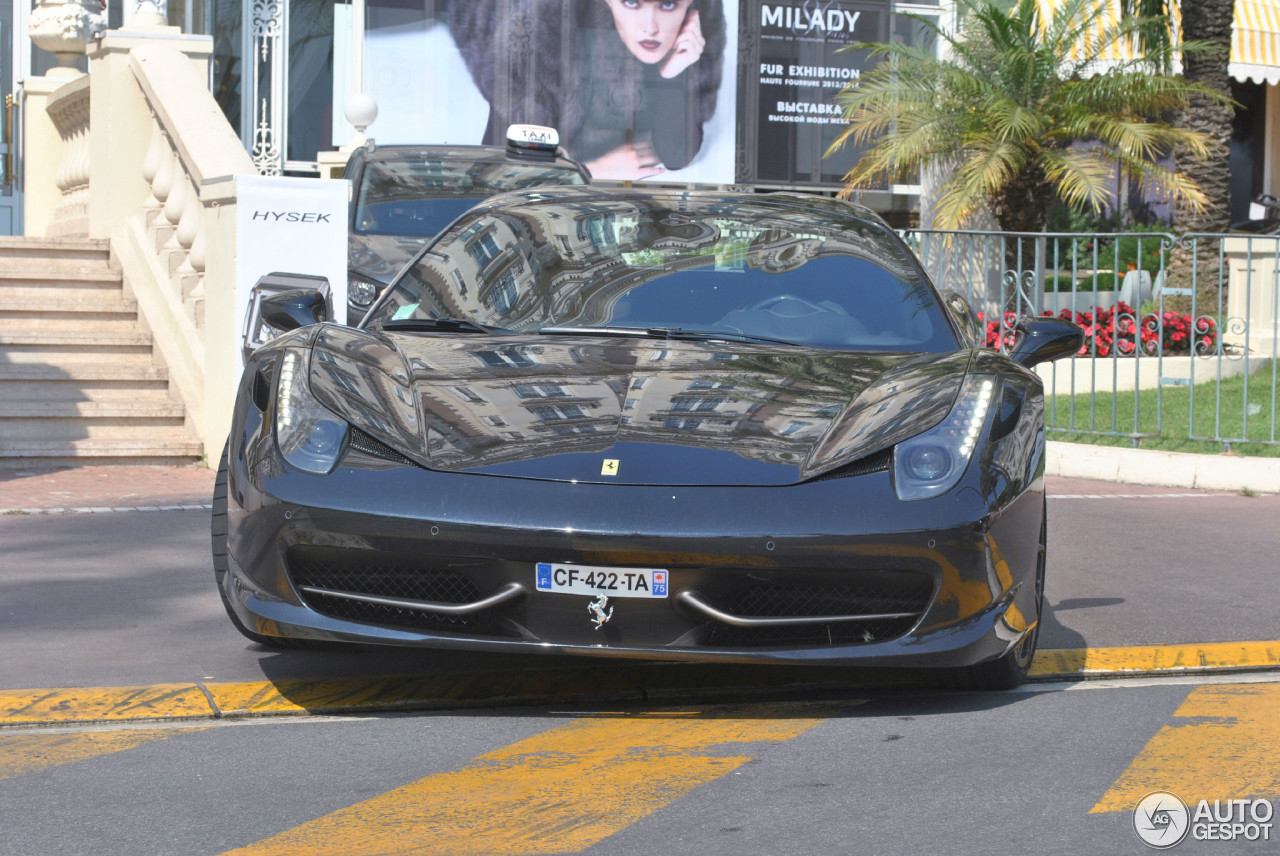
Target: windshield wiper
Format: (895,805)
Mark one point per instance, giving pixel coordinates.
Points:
(677,333)
(451,325)
(721,335)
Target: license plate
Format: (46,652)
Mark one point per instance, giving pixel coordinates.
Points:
(591,580)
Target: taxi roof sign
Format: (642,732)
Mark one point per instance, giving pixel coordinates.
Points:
(535,137)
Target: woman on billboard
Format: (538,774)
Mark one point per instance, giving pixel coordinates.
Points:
(628,84)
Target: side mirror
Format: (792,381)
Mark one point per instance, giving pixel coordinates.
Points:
(964,315)
(1043,339)
(280,302)
(297,307)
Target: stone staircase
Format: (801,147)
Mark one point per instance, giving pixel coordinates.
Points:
(79,380)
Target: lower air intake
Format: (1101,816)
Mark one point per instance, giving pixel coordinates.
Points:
(896,593)
(378,575)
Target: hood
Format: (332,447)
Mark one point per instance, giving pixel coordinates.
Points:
(381,257)
(628,410)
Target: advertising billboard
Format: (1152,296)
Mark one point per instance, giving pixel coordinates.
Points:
(636,88)
(678,91)
(794,59)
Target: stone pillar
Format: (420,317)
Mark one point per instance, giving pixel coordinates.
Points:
(221,362)
(1253,295)
(42,154)
(63,28)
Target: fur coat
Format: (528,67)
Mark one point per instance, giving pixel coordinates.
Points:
(562,63)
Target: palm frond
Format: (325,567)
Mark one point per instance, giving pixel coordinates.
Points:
(1083,177)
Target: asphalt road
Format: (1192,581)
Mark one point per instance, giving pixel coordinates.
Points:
(676,764)
(1045,771)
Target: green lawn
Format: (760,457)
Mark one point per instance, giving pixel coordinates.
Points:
(1221,411)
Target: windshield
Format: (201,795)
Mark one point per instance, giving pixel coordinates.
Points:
(771,271)
(417,196)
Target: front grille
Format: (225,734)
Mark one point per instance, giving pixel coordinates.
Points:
(380,575)
(888,593)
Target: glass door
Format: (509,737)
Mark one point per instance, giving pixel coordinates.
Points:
(10,199)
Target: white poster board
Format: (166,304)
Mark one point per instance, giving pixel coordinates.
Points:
(295,226)
(418,73)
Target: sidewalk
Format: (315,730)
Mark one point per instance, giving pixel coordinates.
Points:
(99,488)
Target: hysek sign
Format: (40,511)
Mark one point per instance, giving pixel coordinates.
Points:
(292,216)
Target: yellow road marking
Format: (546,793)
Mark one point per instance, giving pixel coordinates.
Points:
(251,697)
(1227,751)
(560,791)
(248,698)
(27,753)
(92,704)
(1067,662)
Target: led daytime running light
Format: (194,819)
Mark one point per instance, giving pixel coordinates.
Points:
(287,403)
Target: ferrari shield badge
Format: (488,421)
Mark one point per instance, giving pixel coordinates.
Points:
(609,467)
(597,609)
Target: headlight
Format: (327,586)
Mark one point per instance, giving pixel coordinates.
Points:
(931,463)
(309,436)
(362,292)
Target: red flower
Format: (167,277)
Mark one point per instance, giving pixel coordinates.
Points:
(1122,332)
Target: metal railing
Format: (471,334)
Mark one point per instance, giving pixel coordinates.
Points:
(1182,332)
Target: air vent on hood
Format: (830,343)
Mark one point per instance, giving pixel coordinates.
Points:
(879,462)
(362,442)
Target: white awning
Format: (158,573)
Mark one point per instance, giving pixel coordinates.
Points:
(1255,41)
(1104,55)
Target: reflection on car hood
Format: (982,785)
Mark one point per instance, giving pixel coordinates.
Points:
(677,413)
(381,256)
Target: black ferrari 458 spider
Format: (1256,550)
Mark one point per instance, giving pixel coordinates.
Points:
(650,424)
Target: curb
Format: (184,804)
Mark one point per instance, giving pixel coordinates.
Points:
(1189,659)
(1167,469)
(104,509)
(225,700)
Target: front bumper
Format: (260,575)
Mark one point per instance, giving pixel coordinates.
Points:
(976,557)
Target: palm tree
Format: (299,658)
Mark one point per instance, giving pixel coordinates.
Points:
(1207,22)
(1021,111)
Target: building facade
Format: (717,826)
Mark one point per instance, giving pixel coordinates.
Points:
(754,110)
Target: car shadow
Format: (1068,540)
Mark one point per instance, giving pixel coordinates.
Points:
(411,680)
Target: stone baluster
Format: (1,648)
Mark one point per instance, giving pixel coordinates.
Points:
(189,219)
(196,256)
(195,294)
(151,163)
(176,200)
(68,108)
(163,181)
